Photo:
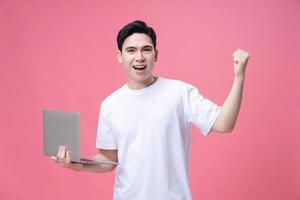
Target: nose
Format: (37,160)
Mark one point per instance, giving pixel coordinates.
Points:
(139,56)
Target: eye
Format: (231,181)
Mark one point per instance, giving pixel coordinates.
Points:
(148,49)
(130,50)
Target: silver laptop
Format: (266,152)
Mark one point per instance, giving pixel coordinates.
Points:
(63,128)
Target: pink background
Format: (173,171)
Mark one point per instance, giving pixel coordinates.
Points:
(62,55)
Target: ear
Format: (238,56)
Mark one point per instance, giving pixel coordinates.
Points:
(119,56)
(156,55)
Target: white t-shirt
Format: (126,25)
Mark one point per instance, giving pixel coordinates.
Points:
(151,128)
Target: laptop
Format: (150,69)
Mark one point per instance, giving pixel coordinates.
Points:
(63,128)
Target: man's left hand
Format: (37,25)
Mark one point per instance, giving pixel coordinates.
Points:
(240,58)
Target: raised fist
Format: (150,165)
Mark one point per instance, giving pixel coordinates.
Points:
(240,58)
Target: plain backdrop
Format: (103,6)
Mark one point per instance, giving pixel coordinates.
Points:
(61,54)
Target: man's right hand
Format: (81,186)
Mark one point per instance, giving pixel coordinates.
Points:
(63,158)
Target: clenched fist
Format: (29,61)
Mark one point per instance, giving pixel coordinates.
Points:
(240,58)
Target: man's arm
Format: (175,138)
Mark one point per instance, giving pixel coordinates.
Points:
(230,109)
(63,158)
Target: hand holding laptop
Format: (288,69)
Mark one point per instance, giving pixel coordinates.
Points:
(62,143)
(63,158)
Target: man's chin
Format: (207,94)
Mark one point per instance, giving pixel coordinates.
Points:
(142,78)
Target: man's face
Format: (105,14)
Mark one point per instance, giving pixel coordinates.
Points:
(138,56)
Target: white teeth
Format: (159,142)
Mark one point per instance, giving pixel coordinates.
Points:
(139,66)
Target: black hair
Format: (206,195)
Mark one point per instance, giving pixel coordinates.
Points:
(136,26)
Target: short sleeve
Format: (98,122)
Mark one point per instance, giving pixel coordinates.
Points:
(200,111)
(105,137)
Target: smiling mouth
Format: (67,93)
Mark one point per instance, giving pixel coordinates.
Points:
(139,67)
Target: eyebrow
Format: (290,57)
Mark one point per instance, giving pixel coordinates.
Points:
(131,47)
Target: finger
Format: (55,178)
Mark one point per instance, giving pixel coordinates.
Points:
(240,57)
(58,152)
(54,158)
(241,52)
(68,157)
(61,155)
(62,152)
(236,52)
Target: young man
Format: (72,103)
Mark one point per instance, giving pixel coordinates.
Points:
(146,124)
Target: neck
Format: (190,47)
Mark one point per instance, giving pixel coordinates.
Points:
(134,85)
